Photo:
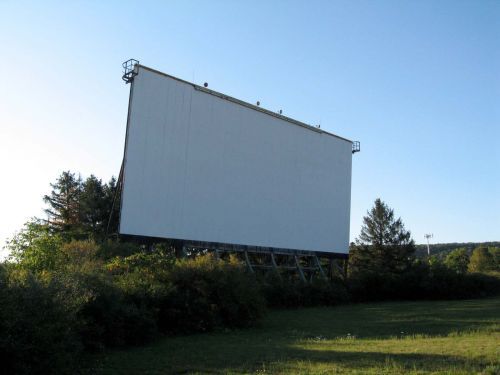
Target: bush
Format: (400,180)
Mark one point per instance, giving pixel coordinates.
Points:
(34,247)
(458,260)
(62,299)
(207,294)
(37,333)
(483,260)
(191,295)
(104,314)
(79,252)
(283,292)
(423,281)
(112,249)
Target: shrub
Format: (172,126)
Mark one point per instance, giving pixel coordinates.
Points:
(208,294)
(190,295)
(34,247)
(105,317)
(458,260)
(37,333)
(423,281)
(79,251)
(143,277)
(153,263)
(112,249)
(284,292)
(482,260)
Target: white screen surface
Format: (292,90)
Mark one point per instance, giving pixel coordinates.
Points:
(203,167)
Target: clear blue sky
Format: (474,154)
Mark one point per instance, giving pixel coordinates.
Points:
(417,82)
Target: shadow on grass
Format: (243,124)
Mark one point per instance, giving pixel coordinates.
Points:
(286,341)
(364,360)
(301,360)
(384,320)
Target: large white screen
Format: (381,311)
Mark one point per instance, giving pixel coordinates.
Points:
(203,167)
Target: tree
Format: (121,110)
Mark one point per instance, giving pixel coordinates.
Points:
(481,260)
(383,246)
(64,205)
(93,208)
(495,252)
(458,260)
(82,209)
(34,247)
(112,196)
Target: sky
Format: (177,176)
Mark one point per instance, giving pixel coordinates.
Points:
(416,82)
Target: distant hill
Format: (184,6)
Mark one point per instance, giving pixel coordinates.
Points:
(442,249)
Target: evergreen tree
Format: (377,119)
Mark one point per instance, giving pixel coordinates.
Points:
(93,208)
(83,210)
(64,205)
(383,246)
(112,197)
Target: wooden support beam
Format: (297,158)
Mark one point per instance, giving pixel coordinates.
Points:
(274,265)
(299,268)
(318,264)
(247,260)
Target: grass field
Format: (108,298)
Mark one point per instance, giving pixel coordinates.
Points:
(450,337)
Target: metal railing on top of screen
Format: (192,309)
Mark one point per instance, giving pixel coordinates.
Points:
(356,147)
(129,70)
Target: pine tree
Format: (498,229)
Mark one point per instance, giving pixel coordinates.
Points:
(112,198)
(82,210)
(93,210)
(383,246)
(64,205)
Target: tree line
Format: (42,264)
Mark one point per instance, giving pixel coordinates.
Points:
(443,249)
(82,208)
(384,246)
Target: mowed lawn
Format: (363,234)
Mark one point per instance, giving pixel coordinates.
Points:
(449,337)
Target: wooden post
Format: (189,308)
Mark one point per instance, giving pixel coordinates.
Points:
(299,268)
(344,268)
(179,249)
(247,260)
(275,266)
(318,264)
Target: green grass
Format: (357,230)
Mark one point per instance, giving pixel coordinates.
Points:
(445,337)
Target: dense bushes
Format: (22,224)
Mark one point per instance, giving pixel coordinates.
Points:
(103,314)
(194,295)
(206,294)
(422,281)
(84,302)
(58,302)
(64,295)
(49,317)
(289,293)
(37,335)
(47,321)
